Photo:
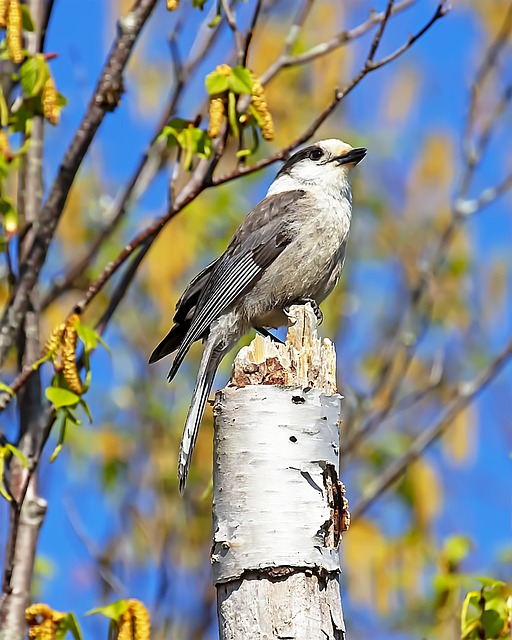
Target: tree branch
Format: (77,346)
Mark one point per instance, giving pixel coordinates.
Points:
(461,209)
(468,391)
(27,508)
(105,99)
(150,163)
(201,180)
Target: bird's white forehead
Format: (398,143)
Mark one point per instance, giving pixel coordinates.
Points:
(334,146)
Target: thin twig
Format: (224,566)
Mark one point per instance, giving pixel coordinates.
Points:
(201,180)
(380,31)
(104,100)
(231,20)
(467,393)
(461,209)
(250,32)
(341,39)
(150,162)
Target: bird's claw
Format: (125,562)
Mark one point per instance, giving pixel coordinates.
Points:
(314,305)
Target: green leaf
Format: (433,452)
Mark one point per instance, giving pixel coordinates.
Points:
(467,630)
(456,548)
(215,83)
(27,23)
(199,4)
(3,491)
(113,611)
(6,388)
(189,146)
(69,623)
(472,599)
(178,123)
(87,335)
(492,623)
(21,121)
(90,337)
(17,453)
(232,114)
(4,109)
(86,409)
(61,397)
(71,417)
(240,81)
(215,21)
(56,452)
(490,582)
(61,100)
(33,75)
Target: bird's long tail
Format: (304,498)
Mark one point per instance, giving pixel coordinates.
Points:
(212,355)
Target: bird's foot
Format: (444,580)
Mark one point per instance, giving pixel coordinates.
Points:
(314,305)
(266,334)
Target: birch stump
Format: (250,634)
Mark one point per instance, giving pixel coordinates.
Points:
(278,506)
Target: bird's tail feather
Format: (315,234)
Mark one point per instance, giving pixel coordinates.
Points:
(212,355)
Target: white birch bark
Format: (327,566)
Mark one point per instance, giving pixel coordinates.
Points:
(279,508)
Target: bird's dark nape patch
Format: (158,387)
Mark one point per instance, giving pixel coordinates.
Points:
(297,157)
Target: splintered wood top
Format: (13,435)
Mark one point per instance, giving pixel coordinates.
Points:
(305,360)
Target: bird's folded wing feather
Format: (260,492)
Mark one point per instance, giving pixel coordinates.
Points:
(261,237)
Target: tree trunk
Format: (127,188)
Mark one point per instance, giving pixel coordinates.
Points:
(279,508)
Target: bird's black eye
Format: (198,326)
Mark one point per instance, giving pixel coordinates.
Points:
(316,154)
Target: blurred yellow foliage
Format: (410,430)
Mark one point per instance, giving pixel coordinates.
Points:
(311,85)
(460,438)
(401,93)
(365,553)
(72,229)
(426,492)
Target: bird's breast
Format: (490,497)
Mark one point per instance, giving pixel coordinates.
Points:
(309,267)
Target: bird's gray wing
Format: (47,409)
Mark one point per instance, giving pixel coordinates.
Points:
(262,236)
(186,304)
(185,309)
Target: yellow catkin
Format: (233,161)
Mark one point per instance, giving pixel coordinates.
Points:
(4,4)
(172,5)
(49,99)
(141,620)
(224,70)
(260,104)
(54,341)
(135,623)
(14,31)
(217,116)
(69,369)
(42,621)
(125,626)
(5,149)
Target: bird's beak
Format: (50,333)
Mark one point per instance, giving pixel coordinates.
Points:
(353,157)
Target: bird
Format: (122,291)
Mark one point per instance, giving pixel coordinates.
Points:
(290,249)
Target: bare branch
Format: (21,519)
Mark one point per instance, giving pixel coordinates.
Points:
(468,391)
(149,164)
(105,99)
(339,95)
(231,20)
(201,179)
(404,349)
(380,32)
(319,50)
(250,31)
(28,508)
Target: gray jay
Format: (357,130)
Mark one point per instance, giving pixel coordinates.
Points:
(289,250)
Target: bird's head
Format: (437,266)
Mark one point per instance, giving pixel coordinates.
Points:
(325,164)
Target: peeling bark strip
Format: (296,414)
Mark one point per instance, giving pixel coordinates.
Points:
(279,508)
